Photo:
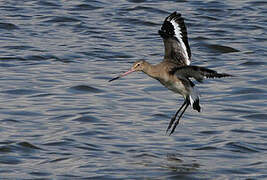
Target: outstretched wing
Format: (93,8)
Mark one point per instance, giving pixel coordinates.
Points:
(174,34)
(196,72)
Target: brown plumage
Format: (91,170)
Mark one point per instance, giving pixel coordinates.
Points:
(175,72)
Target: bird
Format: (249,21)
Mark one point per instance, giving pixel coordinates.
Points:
(174,71)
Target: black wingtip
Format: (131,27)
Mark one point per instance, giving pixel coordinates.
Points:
(222,75)
(174,14)
(227,75)
(167,29)
(208,73)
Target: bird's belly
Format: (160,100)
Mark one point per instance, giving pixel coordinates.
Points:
(176,87)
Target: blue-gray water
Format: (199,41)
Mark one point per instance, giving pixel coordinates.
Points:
(60,118)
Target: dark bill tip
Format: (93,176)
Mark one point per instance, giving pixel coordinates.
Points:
(114,79)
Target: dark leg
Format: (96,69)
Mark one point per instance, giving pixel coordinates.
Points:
(177,122)
(174,117)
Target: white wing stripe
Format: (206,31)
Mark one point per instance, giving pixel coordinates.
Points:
(178,35)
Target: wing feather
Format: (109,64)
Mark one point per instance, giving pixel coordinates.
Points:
(174,34)
(196,72)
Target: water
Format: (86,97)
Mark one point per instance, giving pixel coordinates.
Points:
(60,118)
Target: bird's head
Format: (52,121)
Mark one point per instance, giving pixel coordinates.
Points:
(137,66)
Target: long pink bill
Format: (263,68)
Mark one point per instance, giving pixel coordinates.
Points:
(124,74)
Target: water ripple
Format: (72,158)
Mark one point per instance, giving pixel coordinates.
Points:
(221,48)
(9,160)
(61,19)
(241,147)
(85,89)
(61,119)
(86,119)
(86,7)
(21,91)
(8,26)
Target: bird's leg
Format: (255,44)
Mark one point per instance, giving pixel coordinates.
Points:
(174,117)
(177,122)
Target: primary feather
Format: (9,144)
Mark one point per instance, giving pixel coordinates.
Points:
(174,34)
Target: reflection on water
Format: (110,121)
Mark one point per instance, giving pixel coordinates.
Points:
(61,119)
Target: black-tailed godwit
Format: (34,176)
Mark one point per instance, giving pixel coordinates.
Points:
(175,71)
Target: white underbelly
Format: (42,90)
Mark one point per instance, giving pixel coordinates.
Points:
(176,87)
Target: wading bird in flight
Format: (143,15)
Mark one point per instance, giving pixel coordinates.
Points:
(175,71)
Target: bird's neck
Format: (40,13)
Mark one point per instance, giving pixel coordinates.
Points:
(151,70)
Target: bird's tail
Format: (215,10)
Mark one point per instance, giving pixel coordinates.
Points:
(184,73)
(193,98)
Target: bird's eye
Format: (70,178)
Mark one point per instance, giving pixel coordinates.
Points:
(137,65)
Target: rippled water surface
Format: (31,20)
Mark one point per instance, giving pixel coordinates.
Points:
(60,118)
